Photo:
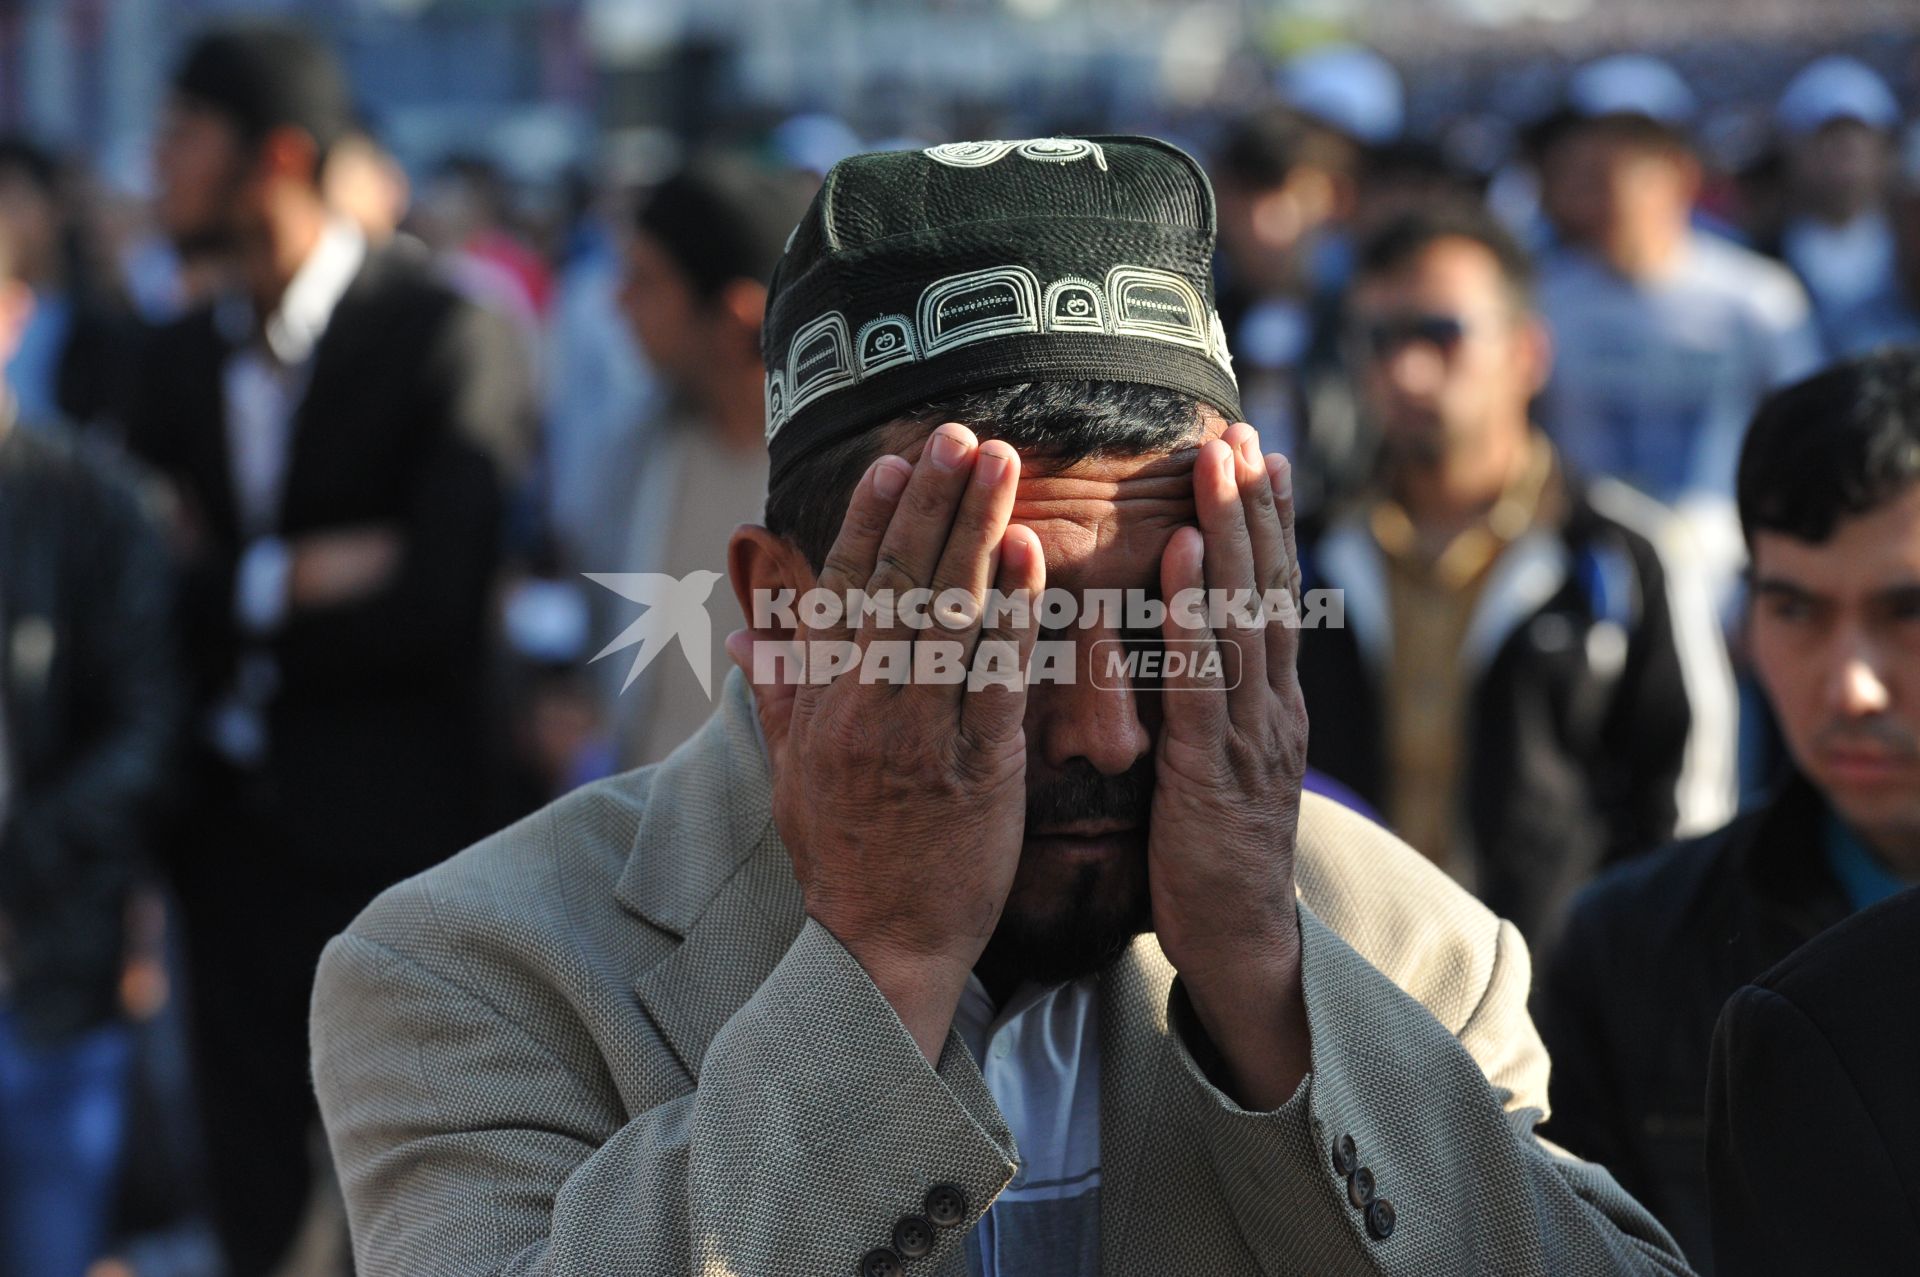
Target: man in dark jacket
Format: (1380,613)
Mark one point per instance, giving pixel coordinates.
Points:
(86,717)
(330,430)
(1813,1068)
(1521,685)
(1829,496)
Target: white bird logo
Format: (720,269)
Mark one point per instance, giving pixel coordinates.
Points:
(676,609)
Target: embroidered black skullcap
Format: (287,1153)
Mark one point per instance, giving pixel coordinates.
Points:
(920,274)
(265,75)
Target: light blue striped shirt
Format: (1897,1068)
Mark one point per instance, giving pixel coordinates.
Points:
(1040,1055)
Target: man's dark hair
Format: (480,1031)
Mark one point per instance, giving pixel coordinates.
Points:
(1835,446)
(1404,239)
(1061,421)
(262,76)
(1642,132)
(722,218)
(1260,150)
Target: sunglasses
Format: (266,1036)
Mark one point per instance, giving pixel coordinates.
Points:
(1381,338)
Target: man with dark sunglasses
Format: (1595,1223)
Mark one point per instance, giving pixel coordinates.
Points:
(1522,686)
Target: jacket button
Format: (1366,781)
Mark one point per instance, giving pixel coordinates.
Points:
(1346,1155)
(1380,1218)
(913,1236)
(946,1205)
(1360,1187)
(881,1261)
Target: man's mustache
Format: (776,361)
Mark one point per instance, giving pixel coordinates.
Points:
(1084,793)
(1882,735)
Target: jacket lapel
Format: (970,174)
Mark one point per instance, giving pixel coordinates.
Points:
(1350,561)
(1524,579)
(708,866)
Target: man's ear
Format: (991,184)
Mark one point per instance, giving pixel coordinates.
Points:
(288,153)
(771,571)
(762,566)
(1539,346)
(745,303)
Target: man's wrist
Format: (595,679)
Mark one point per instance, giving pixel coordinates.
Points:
(1252,1009)
(923,988)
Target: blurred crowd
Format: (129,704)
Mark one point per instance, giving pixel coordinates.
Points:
(320,481)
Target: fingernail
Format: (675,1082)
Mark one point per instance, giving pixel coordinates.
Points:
(1013,551)
(949,452)
(1250,450)
(890,476)
(989,466)
(1280,474)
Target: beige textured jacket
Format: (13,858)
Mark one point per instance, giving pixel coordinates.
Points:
(608,1041)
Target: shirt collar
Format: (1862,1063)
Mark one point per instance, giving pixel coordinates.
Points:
(1864,877)
(1523,503)
(977,1020)
(298,322)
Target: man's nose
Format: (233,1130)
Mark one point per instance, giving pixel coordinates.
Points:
(1081,720)
(1415,368)
(1857,689)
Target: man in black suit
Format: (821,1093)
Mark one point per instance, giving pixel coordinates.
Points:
(330,429)
(1813,1116)
(1829,494)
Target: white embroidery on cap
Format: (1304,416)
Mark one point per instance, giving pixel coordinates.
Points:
(968,154)
(1157,304)
(1137,301)
(1053,150)
(1221,355)
(776,403)
(1074,304)
(819,359)
(884,342)
(1063,150)
(962,309)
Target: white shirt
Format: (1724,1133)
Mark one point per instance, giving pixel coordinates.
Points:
(1654,380)
(262,385)
(263,381)
(1041,1058)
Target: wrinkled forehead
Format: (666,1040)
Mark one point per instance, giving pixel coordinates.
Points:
(1103,521)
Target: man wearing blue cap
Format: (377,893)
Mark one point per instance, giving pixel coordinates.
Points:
(1667,336)
(1836,122)
(1047,971)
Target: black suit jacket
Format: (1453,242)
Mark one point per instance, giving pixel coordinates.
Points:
(1626,1002)
(1813,1113)
(88,688)
(375,763)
